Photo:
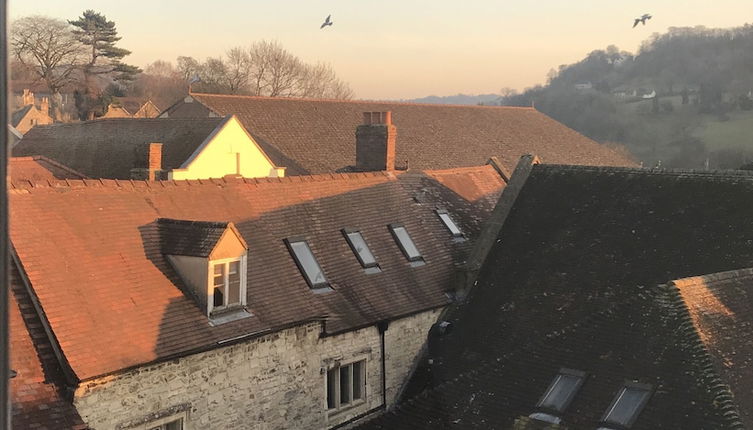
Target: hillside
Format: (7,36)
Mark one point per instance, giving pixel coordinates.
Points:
(684,100)
(459,99)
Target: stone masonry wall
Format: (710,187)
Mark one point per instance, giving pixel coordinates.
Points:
(277,381)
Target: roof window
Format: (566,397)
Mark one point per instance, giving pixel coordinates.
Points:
(626,406)
(449,223)
(361,250)
(307,264)
(559,395)
(406,244)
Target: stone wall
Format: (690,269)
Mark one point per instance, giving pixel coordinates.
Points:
(273,382)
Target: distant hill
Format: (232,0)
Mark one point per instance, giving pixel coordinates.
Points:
(459,99)
(684,100)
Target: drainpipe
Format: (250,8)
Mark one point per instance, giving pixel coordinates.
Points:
(382,326)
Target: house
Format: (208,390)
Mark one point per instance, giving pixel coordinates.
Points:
(22,91)
(316,136)
(127,148)
(612,298)
(131,107)
(296,302)
(39,169)
(29,115)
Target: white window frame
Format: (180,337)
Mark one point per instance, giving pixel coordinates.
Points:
(210,283)
(353,403)
(165,420)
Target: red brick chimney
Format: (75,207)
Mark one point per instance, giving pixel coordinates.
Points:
(28,97)
(44,106)
(375,142)
(148,163)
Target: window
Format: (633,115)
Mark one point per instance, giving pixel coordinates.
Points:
(227,288)
(449,223)
(361,249)
(406,244)
(307,263)
(346,385)
(627,405)
(172,425)
(558,396)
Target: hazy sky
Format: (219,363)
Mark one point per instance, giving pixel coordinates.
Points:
(389,49)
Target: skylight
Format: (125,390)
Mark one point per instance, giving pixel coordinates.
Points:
(307,263)
(562,390)
(627,405)
(449,223)
(406,244)
(361,249)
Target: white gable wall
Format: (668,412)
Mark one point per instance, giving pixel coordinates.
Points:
(230,150)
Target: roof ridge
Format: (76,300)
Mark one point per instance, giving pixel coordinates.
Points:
(648,170)
(461,169)
(714,277)
(386,102)
(102,119)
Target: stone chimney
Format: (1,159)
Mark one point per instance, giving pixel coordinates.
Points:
(375,142)
(148,163)
(28,97)
(44,106)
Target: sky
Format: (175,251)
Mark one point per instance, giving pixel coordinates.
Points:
(389,49)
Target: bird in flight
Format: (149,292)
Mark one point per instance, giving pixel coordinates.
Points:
(326,22)
(642,19)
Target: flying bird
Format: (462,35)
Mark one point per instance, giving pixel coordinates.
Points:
(326,22)
(642,19)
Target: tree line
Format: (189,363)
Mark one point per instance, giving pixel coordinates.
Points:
(83,54)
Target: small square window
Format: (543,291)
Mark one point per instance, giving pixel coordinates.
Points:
(406,244)
(346,385)
(627,405)
(449,223)
(361,250)
(307,263)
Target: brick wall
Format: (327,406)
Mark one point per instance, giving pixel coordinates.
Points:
(273,382)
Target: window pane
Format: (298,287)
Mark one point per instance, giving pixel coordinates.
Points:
(450,224)
(332,388)
(358,380)
(234,267)
(345,385)
(234,283)
(175,425)
(561,391)
(306,259)
(219,269)
(218,297)
(407,244)
(360,247)
(626,405)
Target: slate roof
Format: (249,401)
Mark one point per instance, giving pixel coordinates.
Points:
(192,238)
(19,114)
(318,136)
(39,169)
(106,148)
(107,273)
(573,280)
(35,392)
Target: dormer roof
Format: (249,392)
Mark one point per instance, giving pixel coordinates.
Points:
(193,238)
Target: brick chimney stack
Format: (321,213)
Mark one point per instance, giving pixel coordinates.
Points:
(148,163)
(28,97)
(44,106)
(375,142)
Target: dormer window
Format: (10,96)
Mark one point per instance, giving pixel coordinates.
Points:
(211,259)
(307,264)
(449,223)
(559,395)
(406,244)
(361,250)
(626,406)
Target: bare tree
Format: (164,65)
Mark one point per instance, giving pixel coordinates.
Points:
(161,82)
(188,67)
(47,47)
(237,70)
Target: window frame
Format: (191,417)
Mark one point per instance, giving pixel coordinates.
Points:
(370,267)
(159,423)
(242,264)
(417,260)
(647,388)
(581,375)
(319,287)
(459,234)
(339,406)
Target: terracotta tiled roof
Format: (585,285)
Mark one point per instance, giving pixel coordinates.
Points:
(40,169)
(318,136)
(106,148)
(572,281)
(36,400)
(106,273)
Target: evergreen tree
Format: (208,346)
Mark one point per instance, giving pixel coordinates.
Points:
(99,36)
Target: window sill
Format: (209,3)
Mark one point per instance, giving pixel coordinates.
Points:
(228,315)
(344,409)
